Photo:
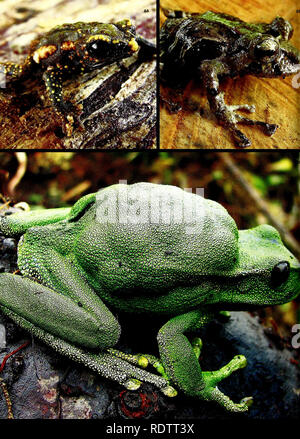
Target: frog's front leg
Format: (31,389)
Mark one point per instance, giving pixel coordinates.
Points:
(53,78)
(226,114)
(180,361)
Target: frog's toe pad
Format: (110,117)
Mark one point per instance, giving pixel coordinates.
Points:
(240,139)
(133,384)
(248,400)
(169,391)
(270,128)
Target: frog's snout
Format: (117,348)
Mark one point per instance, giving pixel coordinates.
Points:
(290,59)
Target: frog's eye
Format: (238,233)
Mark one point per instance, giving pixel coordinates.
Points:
(266,48)
(100,48)
(280,273)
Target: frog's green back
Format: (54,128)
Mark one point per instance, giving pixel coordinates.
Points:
(155,236)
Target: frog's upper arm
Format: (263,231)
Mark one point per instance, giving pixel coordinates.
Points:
(81,206)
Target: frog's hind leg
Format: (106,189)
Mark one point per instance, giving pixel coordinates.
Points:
(69,329)
(226,114)
(100,361)
(103,363)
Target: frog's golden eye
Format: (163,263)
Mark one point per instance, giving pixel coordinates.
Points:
(268,47)
(280,273)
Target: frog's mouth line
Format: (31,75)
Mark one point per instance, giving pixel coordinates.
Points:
(112,60)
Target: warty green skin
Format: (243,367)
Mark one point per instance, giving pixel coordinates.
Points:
(81,263)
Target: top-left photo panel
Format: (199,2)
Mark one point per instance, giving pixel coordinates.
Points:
(78,74)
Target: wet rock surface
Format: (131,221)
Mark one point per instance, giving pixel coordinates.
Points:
(43,384)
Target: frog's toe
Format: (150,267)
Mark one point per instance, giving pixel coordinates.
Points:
(132,384)
(240,139)
(214,377)
(169,391)
(138,359)
(269,128)
(197,346)
(224,400)
(224,316)
(242,107)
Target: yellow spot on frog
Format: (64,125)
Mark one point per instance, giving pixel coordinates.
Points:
(43,53)
(99,37)
(68,45)
(133,45)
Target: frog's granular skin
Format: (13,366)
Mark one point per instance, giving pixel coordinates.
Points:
(243,334)
(75,49)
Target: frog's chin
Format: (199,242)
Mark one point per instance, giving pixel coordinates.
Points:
(104,63)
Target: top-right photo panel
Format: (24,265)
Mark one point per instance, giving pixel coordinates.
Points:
(229,74)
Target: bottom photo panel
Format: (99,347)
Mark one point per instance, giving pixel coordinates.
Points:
(159,286)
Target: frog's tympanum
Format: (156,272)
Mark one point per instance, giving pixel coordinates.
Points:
(142,248)
(213,46)
(73,49)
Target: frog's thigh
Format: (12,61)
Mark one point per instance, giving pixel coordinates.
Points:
(177,354)
(56,313)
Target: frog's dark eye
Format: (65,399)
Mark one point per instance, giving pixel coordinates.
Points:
(280,273)
(100,48)
(266,48)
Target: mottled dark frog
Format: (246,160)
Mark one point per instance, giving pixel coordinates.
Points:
(212,46)
(73,49)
